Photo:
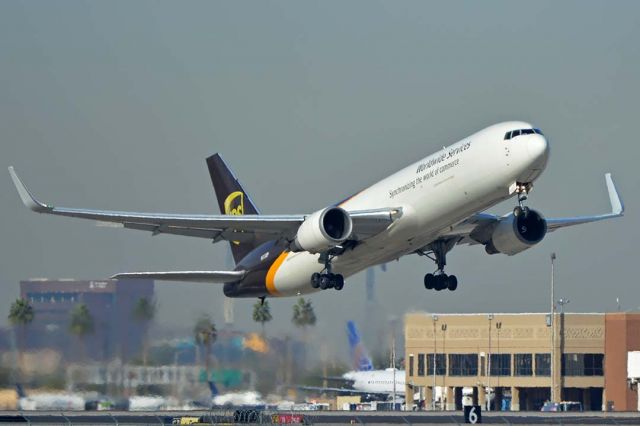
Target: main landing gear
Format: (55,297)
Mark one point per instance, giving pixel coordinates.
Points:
(439,280)
(327,280)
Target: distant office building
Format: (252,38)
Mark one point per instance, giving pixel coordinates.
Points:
(110,302)
(510,359)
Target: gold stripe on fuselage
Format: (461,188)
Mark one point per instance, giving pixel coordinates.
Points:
(271,273)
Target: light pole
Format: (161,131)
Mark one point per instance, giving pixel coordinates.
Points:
(490,318)
(433,393)
(553,330)
(498,327)
(563,302)
(443,327)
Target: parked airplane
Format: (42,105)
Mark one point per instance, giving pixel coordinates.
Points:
(364,380)
(49,401)
(426,208)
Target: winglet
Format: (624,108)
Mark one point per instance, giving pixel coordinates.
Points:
(617,206)
(26,197)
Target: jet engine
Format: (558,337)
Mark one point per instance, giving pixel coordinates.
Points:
(323,230)
(514,234)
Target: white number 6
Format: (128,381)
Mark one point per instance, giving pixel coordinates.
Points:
(473,417)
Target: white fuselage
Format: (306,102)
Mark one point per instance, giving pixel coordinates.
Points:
(435,194)
(378,381)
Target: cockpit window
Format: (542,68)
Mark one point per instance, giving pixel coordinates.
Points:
(514,133)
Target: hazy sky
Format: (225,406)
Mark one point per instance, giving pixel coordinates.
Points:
(115,105)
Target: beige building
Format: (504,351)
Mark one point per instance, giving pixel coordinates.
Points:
(513,356)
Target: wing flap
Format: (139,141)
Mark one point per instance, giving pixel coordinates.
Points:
(186,276)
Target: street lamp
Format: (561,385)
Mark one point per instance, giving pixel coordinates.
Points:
(434,317)
(490,318)
(443,327)
(563,302)
(553,328)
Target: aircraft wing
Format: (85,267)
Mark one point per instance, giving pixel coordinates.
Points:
(366,223)
(478,228)
(186,276)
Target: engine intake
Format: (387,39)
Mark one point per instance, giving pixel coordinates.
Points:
(514,234)
(323,230)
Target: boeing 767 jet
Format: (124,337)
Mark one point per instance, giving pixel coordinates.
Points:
(427,208)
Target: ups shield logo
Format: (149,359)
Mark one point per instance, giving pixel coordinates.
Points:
(234,204)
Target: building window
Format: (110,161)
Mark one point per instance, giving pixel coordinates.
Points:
(500,364)
(410,365)
(523,364)
(420,364)
(543,364)
(463,364)
(441,365)
(582,364)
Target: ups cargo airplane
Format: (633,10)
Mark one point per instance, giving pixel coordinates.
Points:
(426,208)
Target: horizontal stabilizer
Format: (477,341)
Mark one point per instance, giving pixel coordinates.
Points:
(186,276)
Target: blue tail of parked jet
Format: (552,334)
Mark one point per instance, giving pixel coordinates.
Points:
(359,355)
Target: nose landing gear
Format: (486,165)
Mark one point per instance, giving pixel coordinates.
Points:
(522,189)
(439,280)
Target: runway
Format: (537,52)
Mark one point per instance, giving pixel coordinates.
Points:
(325,418)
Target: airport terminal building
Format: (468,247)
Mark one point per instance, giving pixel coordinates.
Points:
(520,357)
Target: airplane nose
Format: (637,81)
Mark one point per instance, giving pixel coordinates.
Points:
(538,148)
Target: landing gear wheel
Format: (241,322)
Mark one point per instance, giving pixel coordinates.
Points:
(438,282)
(339,282)
(325,281)
(428,281)
(452,283)
(517,211)
(315,280)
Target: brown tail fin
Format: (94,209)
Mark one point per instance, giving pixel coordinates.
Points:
(232,199)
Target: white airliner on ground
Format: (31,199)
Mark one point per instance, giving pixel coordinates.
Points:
(426,208)
(363,379)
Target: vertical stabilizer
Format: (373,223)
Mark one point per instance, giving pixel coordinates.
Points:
(232,199)
(359,355)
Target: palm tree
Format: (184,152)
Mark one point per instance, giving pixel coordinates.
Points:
(303,314)
(21,315)
(81,325)
(143,312)
(205,334)
(262,313)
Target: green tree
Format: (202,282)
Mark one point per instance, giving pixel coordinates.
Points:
(205,334)
(20,316)
(303,314)
(144,312)
(262,313)
(81,325)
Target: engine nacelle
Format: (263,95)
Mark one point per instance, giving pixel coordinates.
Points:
(323,230)
(515,234)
